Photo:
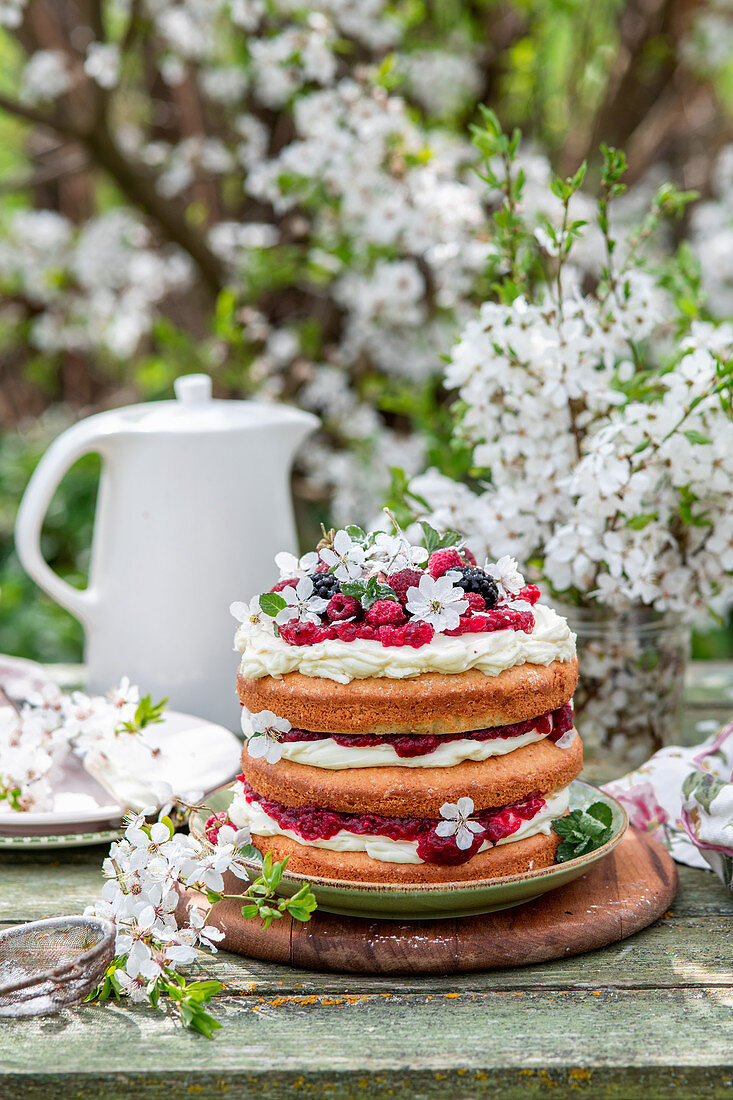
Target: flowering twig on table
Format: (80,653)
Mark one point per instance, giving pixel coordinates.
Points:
(145,872)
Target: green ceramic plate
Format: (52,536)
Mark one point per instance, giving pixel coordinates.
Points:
(62,840)
(448,899)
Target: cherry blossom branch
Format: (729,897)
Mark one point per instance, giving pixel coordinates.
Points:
(139,187)
(135,182)
(38,118)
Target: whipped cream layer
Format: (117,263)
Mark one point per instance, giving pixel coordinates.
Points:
(327,753)
(264,654)
(383,848)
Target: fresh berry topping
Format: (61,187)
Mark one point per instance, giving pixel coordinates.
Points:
(286,582)
(325,584)
(475,580)
(442,560)
(475,601)
(346,632)
(366,631)
(390,635)
(530,593)
(400,582)
(416,633)
(468,556)
(470,624)
(214,823)
(385,613)
(342,607)
(295,633)
(432,848)
(506,618)
(500,618)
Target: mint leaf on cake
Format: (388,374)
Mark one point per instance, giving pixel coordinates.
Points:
(583,831)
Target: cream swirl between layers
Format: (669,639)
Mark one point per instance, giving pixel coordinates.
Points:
(243,813)
(329,754)
(264,654)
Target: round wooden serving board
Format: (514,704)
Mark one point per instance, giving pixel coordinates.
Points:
(620,895)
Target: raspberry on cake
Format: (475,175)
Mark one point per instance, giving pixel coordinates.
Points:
(406,712)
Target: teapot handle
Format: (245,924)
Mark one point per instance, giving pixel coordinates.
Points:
(83,438)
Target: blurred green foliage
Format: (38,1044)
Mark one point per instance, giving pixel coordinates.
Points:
(31,624)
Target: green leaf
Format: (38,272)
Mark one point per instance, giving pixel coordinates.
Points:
(299,912)
(271,603)
(356,533)
(601,812)
(368,593)
(204,990)
(577,179)
(147,713)
(250,911)
(433,540)
(565,851)
(638,523)
(583,832)
(274,877)
(568,825)
(194,1017)
(696,437)
(356,589)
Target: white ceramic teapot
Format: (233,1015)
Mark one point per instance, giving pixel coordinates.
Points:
(194,502)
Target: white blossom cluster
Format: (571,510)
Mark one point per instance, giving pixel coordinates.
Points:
(364,559)
(384,206)
(712,236)
(93,288)
(625,498)
(139,897)
(38,740)
(157,936)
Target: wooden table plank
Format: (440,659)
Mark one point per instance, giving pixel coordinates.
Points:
(509,1044)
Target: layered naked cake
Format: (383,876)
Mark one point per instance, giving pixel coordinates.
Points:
(407,714)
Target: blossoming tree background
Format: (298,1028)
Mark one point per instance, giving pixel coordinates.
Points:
(285,195)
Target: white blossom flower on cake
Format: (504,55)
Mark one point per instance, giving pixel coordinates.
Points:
(438,602)
(456,822)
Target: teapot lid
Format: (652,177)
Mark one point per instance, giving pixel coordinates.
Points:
(194,409)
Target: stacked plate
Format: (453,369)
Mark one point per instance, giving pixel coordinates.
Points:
(194,755)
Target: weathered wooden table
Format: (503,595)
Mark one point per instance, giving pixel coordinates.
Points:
(649,1017)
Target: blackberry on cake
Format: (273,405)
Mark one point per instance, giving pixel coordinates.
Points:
(472,579)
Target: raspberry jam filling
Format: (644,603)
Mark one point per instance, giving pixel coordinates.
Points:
(313,824)
(552,725)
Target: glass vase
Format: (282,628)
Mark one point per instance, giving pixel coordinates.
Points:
(628,702)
